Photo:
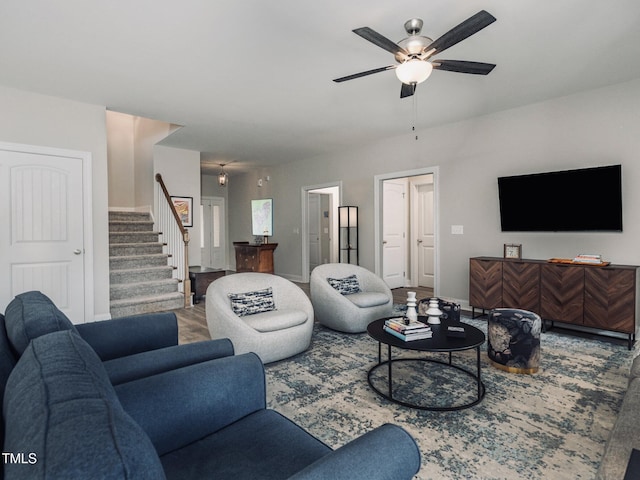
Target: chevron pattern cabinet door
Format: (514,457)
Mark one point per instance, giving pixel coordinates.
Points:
(562,293)
(521,286)
(485,283)
(610,299)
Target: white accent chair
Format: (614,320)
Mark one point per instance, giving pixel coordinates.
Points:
(272,335)
(349,313)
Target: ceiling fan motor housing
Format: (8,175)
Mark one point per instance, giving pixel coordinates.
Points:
(415,44)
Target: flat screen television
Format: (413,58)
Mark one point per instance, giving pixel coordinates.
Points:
(587,199)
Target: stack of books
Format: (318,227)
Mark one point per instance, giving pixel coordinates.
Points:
(586,258)
(414,330)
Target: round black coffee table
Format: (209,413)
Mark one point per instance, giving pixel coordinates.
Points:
(439,342)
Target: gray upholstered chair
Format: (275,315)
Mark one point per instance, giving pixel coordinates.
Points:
(273,326)
(348,312)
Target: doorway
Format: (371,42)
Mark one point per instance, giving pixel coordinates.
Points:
(213,242)
(47,240)
(319,226)
(410,218)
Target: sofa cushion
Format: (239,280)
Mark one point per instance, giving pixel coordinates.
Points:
(7,362)
(62,412)
(346,286)
(278,449)
(275,320)
(30,315)
(368,299)
(623,437)
(251,303)
(635,369)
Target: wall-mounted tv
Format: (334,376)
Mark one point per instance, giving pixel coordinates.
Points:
(587,199)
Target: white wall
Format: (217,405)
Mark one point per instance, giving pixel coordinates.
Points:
(34,119)
(121,157)
(130,142)
(587,129)
(180,170)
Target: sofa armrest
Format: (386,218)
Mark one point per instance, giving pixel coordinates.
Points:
(386,453)
(144,364)
(130,335)
(178,407)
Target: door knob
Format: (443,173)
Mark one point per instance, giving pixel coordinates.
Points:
(384,242)
(77,251)
(419,241)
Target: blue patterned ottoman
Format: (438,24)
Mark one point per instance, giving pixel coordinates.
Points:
(513,341)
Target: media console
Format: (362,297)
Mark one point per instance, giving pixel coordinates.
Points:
(598,297)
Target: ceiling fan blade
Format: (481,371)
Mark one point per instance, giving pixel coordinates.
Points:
(407,90)
(464,30)
(380,40)
(364,74)
(462,66)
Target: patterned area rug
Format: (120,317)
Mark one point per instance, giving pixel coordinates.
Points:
(552,424)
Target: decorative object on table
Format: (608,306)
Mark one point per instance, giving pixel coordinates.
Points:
(348,234)
(413,330)
(450,310)
(455,331)
(434,312)
(514,340)
(412,313)
(184,208)
(590,259)
(513,250)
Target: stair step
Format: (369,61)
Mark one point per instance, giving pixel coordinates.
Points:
(135,275)
(131,226)
(129,216)
(135,261)
(130,249)
(146,304)
(121,291)
(132,237)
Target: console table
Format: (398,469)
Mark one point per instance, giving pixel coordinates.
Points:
(591,296)
(251,257)
(200,278)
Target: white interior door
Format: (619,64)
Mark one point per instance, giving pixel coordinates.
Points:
(42,241)
(315,250)
(425,237)
(213,241)
(394,247)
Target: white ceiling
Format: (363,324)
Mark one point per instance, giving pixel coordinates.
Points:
(250,80)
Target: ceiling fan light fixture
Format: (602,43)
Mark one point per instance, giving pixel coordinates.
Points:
(414,71)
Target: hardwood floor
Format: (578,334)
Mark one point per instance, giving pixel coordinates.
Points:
(192,322)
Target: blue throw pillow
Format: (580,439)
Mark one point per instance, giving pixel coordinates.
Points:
(250,303)
(346,285)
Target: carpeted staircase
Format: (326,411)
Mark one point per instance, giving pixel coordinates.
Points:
(140,275)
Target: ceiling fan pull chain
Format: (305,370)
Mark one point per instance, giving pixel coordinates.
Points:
(415,113)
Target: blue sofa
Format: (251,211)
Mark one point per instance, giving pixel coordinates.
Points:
(130,347)
(207,420)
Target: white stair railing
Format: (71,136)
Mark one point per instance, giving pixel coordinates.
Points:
(176,238)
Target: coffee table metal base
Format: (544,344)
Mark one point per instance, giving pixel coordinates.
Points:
(389,396)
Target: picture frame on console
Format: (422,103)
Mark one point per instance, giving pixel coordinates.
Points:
(513,250)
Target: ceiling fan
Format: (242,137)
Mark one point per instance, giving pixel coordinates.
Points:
(414,53)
